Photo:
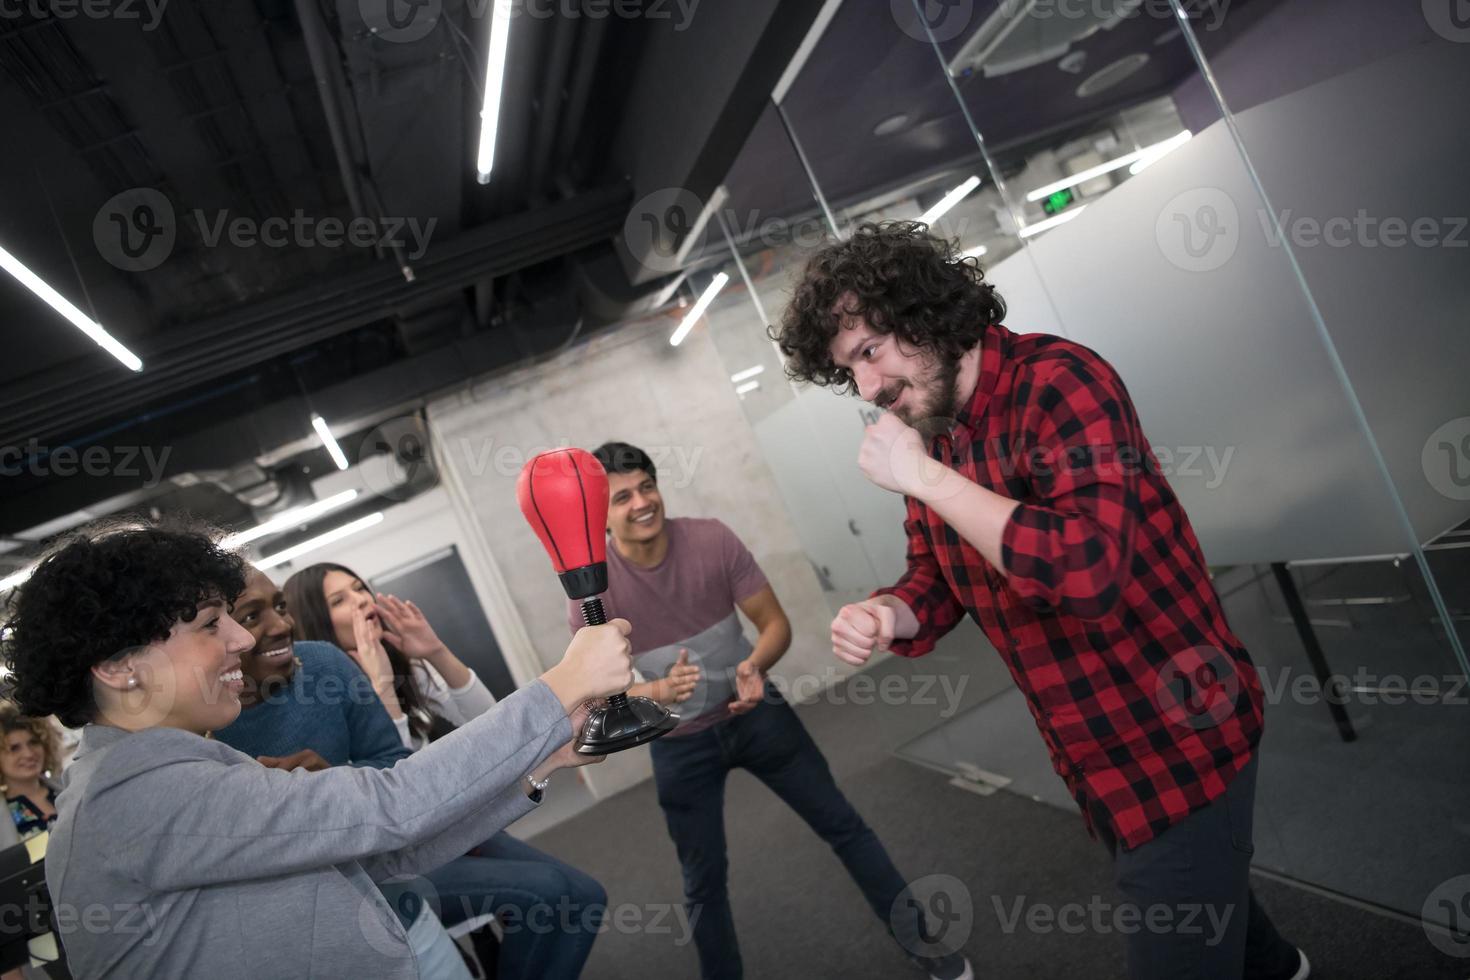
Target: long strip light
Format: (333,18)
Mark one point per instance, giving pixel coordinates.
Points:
(748,386)
(325,434)
(14,580)
(291,518)
(747,374)
(500,17)
(974,253)
(697,310)
(1163,150)
(66,308)
(1060,219)
(1150,153)
(949,200)
(321,540)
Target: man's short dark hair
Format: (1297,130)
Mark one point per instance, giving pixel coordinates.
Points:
(104,590)
(903,280)
(619,457)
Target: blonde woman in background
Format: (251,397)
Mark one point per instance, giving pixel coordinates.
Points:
(30,762)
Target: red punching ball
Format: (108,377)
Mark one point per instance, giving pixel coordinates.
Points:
(563,495)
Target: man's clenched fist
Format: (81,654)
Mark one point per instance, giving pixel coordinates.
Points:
(862,627)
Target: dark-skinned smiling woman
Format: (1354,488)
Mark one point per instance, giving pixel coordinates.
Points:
(213,864)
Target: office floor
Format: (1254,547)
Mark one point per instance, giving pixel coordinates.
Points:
(1382,818)
(799,916)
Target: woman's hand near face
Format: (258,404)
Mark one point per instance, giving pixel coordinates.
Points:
(407,629)
(373,659)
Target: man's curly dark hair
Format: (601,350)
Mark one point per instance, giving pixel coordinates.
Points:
(901,279)
(102,591)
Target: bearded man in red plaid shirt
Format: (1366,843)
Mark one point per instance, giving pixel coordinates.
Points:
(1035,506)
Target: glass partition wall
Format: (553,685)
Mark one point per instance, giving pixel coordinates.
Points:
(759,238)
(1158,181)
(1343,115)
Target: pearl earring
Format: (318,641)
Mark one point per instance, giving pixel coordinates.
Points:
(132,682)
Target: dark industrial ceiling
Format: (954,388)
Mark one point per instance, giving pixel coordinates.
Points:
(321,110)
(311,111)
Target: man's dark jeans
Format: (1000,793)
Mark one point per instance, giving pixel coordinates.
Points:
(772,744)
(1195,878)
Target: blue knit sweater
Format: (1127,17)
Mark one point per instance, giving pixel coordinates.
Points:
(328,706)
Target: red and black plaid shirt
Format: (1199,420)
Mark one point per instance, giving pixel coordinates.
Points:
(1105,615)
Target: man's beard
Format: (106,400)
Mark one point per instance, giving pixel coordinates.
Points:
(935,393)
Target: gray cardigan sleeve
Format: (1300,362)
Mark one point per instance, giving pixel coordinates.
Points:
(178,812)
(426,855)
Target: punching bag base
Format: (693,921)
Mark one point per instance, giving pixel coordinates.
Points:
(624,723)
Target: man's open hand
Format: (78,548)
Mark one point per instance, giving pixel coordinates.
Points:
(750,688)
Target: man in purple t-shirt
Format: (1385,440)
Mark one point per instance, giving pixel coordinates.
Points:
(679,581)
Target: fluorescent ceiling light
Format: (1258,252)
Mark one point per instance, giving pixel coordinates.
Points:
(311,544)
(695,234)
(1060,219)
(320,425)
(949,200)
(14,581)
(748,386)
(62,305)
(291,518)
(1154,151)
(697,311)
(808,45)
(1162,150)
(974,253)
(747,373)
(500,15)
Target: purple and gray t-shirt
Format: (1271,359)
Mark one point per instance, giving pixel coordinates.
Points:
(687,600)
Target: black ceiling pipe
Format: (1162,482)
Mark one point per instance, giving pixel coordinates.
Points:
(553,95)
(332,87)
(74,398)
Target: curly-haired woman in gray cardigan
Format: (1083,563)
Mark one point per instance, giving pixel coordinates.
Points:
(173,855)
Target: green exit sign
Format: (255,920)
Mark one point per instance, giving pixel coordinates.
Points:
(1056,202)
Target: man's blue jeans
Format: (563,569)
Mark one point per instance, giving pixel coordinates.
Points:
(549,912)
(772,744)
